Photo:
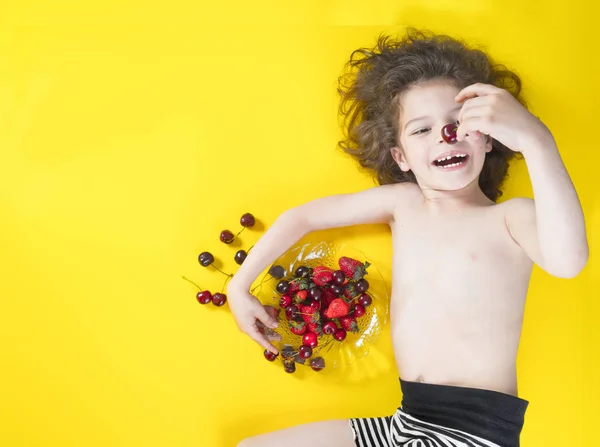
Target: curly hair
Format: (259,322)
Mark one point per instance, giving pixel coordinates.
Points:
(370,98)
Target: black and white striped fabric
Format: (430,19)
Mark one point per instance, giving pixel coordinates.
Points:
(404,430)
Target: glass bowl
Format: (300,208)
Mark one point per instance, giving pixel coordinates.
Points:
(333,352)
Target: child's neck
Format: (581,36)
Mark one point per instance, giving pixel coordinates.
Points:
(442,201)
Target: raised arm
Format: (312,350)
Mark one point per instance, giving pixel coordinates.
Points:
(375,205)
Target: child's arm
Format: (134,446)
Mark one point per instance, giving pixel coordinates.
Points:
(375,205)
(551,230)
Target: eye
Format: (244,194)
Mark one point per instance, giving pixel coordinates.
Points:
(422,130)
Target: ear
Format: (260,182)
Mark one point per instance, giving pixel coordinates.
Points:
(399,158)
(488,143)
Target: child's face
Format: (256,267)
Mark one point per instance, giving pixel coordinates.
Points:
(427,108)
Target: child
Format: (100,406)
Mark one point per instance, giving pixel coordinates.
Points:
(461,261)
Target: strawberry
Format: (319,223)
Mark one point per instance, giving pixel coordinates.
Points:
(322,275)
(349,324)
(352,268)
(294,287)
(301,295)
(298,327)
(350,291)
(315,328)
(337,308)
(327,298)
(310,314)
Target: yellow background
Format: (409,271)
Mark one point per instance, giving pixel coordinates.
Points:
(132,133)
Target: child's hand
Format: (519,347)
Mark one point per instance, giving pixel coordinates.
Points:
(494,111)
(254,319)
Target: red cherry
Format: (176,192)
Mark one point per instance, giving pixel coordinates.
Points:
(206,258)
(240,257)
(317,363)
(226,237)
(289,366)
(365,300)
(362,286)
(339,334)
(305,352)
(291,312)
(247,220)
(310,339)
(449,133)
(270,356)
(219,299)
(329,328)
(359,310)
(285,301)
(204,297)
(338,277)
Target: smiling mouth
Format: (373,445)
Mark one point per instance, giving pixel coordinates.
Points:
(452,161)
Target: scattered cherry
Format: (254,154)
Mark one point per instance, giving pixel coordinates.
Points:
(283,286)
(269,355)
(338,277)
(219,299)
(339,334)
(285,301)
(289,366)
(206,258)
(204,297)
(310,339)
(329,328)
(247,220)
(449,133)
(227,237)
(277,271)
(302,271)
(240,256)
(359,310)
(365,300)
(305,351)
(317,364)
(362,286)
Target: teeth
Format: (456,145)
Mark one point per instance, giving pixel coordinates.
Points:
(448,158)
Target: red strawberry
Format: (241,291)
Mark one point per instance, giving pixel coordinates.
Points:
(349,324)
(337,308)
(327,298)
(315,328)
(350,291)
(297,327)
(301,295)
(322,275)
(352,268)
(310,314)
(294,287)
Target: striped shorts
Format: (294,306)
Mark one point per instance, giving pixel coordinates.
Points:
(445,416)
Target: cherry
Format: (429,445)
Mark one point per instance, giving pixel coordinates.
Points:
(305,352)
(206,258)
(247,220)
(302,271)
(336,290)
(449,133)
(289,366)
(283,286)
(204,297)
(316,293)
(277,271)
(365,300)
(362,286)
(359,310)
(310,339)
(329,327)
(287,352)
(291,312)
(227,237)
(339,334)
(240,256)
(338,277)
(317,364)
(219,299)
(285,301)
(269,355)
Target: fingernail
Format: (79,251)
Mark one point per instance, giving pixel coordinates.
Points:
(274,325)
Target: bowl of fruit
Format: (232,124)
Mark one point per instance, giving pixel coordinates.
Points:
(331,303)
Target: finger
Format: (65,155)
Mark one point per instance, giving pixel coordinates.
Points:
(255,335)
(472,102)
(266,319)
(478,89)
(474,112)
(472,125)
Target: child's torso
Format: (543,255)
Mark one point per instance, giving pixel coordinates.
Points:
(459,288)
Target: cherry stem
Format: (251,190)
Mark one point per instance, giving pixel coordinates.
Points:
(199,288)
(226,274)
(240,232)
(225,283)
(248,251)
